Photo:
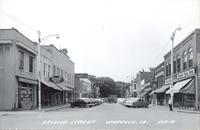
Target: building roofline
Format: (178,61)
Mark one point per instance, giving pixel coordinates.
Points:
(14,29)
(185,39)
(60,51)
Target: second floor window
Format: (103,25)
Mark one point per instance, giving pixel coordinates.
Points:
(174,66)
(169,66)
(54,70)
(178,64)
(184,60)
(30,64)
(21,60)
(49,69)
(190,57)
(44,69)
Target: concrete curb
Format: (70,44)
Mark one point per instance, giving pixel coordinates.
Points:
(190,112)
(57,108)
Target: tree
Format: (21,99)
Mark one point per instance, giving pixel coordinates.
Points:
(107,86)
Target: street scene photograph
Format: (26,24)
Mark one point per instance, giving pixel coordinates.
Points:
(100,64)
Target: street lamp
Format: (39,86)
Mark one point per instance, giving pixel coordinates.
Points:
(39,64)
(172,61)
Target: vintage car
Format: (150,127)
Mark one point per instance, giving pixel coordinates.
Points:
(135,102)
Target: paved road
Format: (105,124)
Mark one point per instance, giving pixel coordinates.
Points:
(105,116)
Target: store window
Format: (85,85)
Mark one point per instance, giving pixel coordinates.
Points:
(190,57)
(21,60)
(178,63)
(184,60)
(31,64)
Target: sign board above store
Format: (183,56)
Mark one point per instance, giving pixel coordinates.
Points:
(186,73)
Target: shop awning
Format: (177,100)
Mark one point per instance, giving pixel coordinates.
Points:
(25,80)
(176,88)
(189,88)
(152,92)
(63,86)
(162,89)
(50,84)
(145,93)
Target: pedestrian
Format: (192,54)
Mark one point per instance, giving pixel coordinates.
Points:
(170,104)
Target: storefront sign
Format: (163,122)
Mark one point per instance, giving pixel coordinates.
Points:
(26,94)
(186,73)
(168,81)
(56,79)
(159,74)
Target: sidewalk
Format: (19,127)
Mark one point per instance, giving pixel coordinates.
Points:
(44,109)
(175,109)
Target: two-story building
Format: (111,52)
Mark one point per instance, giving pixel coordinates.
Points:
(18,71)
(159,88)
(57,75)
(139,82)
(186,68)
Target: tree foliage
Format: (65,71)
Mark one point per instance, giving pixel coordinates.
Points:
(107,86)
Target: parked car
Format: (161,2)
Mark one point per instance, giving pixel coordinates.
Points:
(135,102)
(120,100)
(112,99)
(81,103)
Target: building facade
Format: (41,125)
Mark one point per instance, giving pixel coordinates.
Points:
(186,71)
(18,71)
(57,68)
(159,90)
(83,85)
(139,82)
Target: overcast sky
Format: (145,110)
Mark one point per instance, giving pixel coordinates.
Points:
(114,38)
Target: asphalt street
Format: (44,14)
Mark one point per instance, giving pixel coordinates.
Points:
(105,116)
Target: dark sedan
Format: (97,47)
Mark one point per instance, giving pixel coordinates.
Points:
(81,103)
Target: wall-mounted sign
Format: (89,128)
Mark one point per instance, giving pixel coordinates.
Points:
(56,79)
(186,73)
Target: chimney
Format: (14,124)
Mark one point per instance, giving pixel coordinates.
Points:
(65,51)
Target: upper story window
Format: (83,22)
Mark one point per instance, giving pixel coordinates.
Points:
(54,70)
(169,68)
(58,71)
(21,60)
(178,63)
(31,64)
(49,69)
(166,70)
(44,70)
(174,66)
(61,72)
(190,57)
(184,60)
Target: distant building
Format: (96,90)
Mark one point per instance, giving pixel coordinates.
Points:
(159,89)
(85,86)
(139,82)
(18,71)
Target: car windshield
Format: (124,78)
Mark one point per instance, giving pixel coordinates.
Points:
(133,99)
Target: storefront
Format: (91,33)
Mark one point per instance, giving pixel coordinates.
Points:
(184,93)
(27,93)
(52,94)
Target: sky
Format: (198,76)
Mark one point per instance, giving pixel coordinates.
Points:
(114,38)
